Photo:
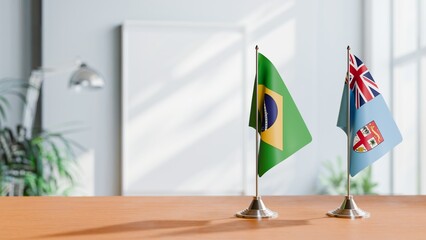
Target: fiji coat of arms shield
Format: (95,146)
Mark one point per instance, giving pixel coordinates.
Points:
(367,138)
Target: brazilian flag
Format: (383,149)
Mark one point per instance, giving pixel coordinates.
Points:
(281,127)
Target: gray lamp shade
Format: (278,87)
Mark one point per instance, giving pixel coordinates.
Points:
(86,77)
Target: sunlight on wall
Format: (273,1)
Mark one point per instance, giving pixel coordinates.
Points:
(398,60)
(283,39)
(265,14)
(405,34)
(214,45)
(405,154)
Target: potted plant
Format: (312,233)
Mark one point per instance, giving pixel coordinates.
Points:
(41,164)
(334,180)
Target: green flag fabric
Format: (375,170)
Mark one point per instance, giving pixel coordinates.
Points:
(280,125)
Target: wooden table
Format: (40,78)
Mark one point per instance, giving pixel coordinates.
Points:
(301,217)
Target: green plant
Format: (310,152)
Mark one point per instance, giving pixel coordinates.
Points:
(37,165)
(41,165)
(335,176)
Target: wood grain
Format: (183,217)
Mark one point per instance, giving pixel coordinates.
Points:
(300,217)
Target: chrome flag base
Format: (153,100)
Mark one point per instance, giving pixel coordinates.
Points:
(257,209)
(349,209)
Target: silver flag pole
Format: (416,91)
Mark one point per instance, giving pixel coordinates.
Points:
(348,209)
(257,208)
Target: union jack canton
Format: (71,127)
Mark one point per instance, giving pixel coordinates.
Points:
(361,82)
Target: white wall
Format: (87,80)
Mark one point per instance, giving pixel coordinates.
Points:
(15,47)
(396,64)
(305,39)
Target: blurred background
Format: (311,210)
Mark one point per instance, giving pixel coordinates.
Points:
(172,117)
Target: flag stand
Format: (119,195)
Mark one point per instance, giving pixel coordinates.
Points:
(348,209)
(257,208)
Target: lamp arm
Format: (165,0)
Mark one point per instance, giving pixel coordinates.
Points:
(56,70)
(33,93)
(83,76)
(31,99)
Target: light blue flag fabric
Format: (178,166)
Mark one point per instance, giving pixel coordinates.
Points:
(373,132)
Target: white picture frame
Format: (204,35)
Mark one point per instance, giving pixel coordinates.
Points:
(166,148)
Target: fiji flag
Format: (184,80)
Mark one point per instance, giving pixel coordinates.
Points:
(372,128)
